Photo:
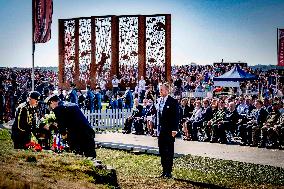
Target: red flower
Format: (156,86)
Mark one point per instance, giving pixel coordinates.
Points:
(38,147)
(34,146)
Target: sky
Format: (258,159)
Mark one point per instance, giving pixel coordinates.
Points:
(203,31)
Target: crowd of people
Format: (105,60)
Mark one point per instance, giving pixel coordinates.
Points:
(253,121)
(256,119)
(16,83)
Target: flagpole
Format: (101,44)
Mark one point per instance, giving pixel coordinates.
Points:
(33,69)
(33,47)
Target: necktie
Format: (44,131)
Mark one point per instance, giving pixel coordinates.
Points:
(161,104)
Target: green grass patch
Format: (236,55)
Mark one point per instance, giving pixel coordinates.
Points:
(46,169)
(67,170)
(193,170)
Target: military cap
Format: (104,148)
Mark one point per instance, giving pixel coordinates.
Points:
(34,95)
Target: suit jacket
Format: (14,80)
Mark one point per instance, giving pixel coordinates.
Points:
(71,119)
(232,117)
(261,116)
(169,118)
(184,113)
(207,114)
(137,112)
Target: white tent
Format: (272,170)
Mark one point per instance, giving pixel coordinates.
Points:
(227,83)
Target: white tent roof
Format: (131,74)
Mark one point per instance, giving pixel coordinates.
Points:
(227,83)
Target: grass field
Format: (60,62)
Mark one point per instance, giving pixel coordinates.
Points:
(27,169)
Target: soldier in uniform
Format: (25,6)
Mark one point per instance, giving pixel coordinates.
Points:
(25,121)
(216,121)
(73,97)
(269,124)
(277,133)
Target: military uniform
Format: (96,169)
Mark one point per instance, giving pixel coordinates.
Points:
(219,116)
(24,125)
(208,128)
(279,131)
(267,129)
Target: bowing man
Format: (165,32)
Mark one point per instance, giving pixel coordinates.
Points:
(71,120)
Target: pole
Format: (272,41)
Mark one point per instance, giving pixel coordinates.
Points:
(33,69)
(277,46)
(276,74)
(33,46)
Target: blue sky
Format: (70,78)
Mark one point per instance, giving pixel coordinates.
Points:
(203,31)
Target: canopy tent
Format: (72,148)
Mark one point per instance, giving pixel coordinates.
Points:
(227,83)
(234,75)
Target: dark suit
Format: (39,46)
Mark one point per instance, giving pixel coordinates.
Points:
(230,124)
(80,134)
(250,132)
(136,120)
(184,113)
(168,121)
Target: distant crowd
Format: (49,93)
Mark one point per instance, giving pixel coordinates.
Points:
(256,119)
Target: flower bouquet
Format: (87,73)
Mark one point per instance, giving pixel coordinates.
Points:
(49,120)
(46,129)
(33,144)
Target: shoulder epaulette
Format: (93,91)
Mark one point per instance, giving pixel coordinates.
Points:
(22,105)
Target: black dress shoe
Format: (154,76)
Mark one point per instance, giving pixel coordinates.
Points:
(168,175)
(223,142)
(207,140)
(261,146)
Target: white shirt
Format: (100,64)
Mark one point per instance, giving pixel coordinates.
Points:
(142,85)
(115,82)
(103,84)
(162,102)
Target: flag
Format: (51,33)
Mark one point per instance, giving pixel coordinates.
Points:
(42,19)
(281,48)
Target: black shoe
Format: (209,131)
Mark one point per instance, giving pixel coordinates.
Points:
(243,144)
(168,175)
(273,146)
(261,146)
(253,145)
(206,140)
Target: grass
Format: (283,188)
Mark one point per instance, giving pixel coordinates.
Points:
(141,171)
(26,169)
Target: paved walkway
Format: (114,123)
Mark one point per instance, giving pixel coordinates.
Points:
(148,144)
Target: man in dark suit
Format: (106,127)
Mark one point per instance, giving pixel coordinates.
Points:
(71,120)
(250,131)
(168,120)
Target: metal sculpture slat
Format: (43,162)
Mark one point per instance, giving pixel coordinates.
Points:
(128,47)
(84,49)
(155,47)
(103,47)
(69,50)
(92,48)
